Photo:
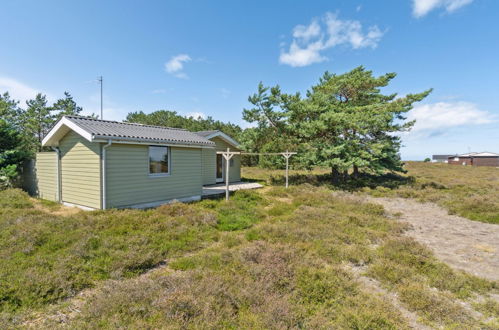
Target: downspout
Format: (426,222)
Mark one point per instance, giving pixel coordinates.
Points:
(58,152)
(103,179)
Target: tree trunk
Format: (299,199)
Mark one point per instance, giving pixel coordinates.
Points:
(335,175)
(345,176)
(355,173)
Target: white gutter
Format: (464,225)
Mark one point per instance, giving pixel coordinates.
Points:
(103,170)
(58,166)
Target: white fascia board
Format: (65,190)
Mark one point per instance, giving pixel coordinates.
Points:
(224,137)
(52,138)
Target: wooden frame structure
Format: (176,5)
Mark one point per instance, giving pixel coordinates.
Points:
(229,154)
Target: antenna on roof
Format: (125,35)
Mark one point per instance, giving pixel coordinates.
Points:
(101,112)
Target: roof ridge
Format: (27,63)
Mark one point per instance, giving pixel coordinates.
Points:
(479,152)
(125,123)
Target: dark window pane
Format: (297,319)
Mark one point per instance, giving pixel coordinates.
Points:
(158,160)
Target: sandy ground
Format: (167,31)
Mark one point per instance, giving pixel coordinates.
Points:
(464,244)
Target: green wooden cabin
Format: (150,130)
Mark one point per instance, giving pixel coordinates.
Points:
(100,164)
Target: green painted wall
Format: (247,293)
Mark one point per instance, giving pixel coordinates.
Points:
(80,171)
(46,175)
(209,166)
(235,169)
(128,180)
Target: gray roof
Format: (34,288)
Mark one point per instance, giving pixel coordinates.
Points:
(480,154)
(105,129)
(206,133)
(441,156)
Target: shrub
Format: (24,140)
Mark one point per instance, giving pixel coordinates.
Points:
(241,212)
(45,258)
(14,198)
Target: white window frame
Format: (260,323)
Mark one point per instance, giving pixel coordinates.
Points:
(159,175)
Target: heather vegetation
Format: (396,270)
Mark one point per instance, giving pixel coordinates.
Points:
(47,257)
(471,192)
(272,258)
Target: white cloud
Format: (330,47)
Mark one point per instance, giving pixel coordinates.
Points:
(307,32)
(176,64)
(443,115)
(196,114)
(422,7)
(302,56)
(309,41)
(158,91)
(19,91)
(244,124)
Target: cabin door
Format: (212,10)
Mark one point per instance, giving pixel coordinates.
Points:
(220,168)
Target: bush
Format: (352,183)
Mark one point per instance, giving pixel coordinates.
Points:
(15,198)
(241,211)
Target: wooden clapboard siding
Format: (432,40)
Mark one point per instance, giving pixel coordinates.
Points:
(209,166)
(235,170)
(128,181)
(46,175)
(80,171)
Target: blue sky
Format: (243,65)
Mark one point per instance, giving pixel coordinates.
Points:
(200,57)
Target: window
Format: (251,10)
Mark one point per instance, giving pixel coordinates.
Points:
(231,162)
(159,160)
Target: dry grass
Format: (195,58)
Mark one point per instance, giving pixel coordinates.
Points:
(471,192)
(45,257)
(268,259)
(277,177)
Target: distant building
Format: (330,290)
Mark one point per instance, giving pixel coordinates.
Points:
(475,159)
(440,158)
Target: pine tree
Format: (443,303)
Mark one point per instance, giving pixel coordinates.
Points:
(344,122)
(9,110)
(65,107)
(36,121)
(350,124)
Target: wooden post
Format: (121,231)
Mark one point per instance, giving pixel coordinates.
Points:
(227,156)
(287,170)
(286,155)
(227,159)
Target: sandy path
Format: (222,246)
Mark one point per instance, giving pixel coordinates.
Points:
(465,244)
